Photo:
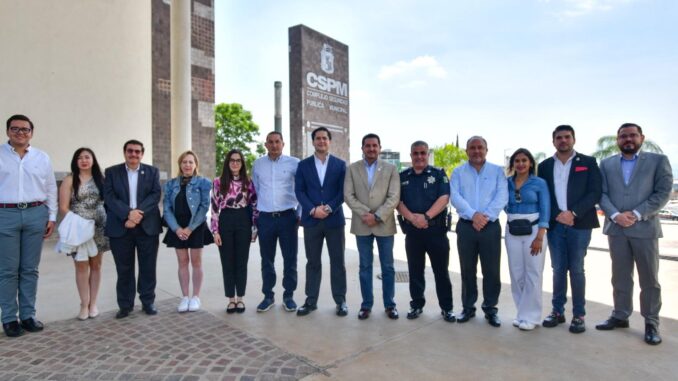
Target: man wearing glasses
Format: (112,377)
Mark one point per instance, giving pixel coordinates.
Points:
(131,195)
(575,186)
(28,209)
(479,193)
(424,194)
(636,185)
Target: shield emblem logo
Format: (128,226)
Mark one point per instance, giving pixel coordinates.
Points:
(327,59)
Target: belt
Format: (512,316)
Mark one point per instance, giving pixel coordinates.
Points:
(22,205)
(276,214)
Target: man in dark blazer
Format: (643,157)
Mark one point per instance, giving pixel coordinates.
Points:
(131,195)
(636,185)
(575,186)
(319,186)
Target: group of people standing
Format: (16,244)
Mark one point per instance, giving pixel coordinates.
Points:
(552,205)
(555,202)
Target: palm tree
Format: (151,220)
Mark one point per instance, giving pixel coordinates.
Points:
(539,156)
(607,146)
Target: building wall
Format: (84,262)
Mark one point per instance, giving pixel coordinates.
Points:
(81,70)
(202,81)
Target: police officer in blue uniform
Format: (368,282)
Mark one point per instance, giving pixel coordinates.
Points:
(425,192)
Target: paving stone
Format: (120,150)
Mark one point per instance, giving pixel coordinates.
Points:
(166,347)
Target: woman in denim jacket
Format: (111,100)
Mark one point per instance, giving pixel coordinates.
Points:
(186,202)
(528,200)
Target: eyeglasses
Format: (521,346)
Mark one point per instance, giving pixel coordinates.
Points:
(134,151)
(235,161)
(517,196)
(23,130)
(419,153)
(629,136)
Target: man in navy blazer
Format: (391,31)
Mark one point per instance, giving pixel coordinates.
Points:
(131,195)
(575,186)
(319,186)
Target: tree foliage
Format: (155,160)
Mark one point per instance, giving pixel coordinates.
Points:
(448,157)
(607,146)
(235,129)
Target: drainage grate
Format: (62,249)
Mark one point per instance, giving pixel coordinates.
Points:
(400,276)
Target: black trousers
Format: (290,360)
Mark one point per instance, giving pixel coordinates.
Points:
(135,241)
(235,229)
(313,243)
(419,242)
(486,245)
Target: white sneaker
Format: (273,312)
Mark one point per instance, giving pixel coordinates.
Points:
(194,304)
(183,305)
(526,326)
(516,323)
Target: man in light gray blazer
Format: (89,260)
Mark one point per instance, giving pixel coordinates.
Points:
(636,185)
(372,191)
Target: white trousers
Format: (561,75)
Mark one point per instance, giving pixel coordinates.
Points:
(526,272)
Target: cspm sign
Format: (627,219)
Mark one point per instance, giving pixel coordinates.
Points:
(323,83)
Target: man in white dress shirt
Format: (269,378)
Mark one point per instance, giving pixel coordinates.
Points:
(28,209)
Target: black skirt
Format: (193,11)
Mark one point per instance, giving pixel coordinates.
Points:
(200,237)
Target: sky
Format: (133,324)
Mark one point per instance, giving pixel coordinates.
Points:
(508,70)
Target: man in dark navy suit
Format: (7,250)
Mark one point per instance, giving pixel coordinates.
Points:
(575,186)
(319,186)
(132,194)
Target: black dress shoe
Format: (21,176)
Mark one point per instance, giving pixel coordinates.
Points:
(12,329)
(553,320)
(448,316)
(122,313)
(306,309)
(414,313)
(149,309)
(32,325)
(392,313)
(342,309)
(364,313)
(612,323)
(465,316)
(652,335)
(493,320)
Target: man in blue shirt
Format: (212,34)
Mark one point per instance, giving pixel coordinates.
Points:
(479,193)
(273,178)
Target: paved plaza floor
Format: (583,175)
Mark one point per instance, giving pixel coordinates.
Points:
(278,345)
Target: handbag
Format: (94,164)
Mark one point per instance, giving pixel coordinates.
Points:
(521,226)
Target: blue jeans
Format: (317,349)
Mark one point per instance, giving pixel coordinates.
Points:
(568,249)
(276,228)
(21,232)
(385,247)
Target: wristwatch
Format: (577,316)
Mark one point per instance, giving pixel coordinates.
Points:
(426,217)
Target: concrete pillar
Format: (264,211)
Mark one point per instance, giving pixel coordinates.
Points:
(278,107)
(180,62)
